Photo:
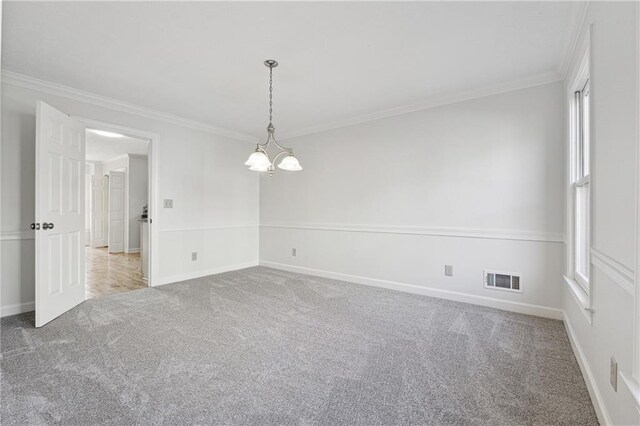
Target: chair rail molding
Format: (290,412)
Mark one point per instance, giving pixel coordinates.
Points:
(209,228)
(16,235)
(618,272)
(496,234)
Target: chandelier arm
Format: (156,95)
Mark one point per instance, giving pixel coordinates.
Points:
(279,154)
(280,146)
(266,144)
(264,151)
(272,138)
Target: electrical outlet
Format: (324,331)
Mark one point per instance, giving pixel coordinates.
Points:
(613,374)
(194,256)
(168,204)
(294,252)
(448,270)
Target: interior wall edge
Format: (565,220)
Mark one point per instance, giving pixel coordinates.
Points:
(490,302)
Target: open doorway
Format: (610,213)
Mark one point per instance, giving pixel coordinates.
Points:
(116,234)
(60,221)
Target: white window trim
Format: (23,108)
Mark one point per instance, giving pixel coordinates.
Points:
(633,382)
(577,276)
(577,284)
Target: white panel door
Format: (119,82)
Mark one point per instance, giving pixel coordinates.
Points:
(116,212)
(98,224)
(60,180)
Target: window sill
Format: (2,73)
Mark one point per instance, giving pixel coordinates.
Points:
(580,297)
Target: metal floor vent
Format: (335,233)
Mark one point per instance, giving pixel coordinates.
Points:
(503,281)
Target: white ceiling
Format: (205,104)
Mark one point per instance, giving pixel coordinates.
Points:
(203,60)
(101,148)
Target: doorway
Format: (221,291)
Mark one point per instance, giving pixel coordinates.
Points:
(116,206)
(60,202)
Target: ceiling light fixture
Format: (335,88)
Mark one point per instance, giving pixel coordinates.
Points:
(260,161)
(106,134)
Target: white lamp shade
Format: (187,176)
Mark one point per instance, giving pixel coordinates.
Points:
(290,163)
(260,168)
(258,159)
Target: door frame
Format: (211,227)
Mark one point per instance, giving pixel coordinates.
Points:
(154,201)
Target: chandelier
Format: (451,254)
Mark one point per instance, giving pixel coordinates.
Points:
(260,161)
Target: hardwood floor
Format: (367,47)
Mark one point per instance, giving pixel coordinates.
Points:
(111,273)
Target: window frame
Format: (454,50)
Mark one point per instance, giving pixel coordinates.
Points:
(580,175)
(581,179)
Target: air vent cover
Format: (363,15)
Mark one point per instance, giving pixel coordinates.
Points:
(503,281)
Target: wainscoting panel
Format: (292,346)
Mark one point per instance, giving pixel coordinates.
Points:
(418,261)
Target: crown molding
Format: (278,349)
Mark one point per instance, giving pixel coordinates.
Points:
(21,80)
(577,24)
(27,82)
(537,80)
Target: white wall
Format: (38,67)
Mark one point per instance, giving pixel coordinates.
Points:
(477,184)
(89,170)
(614,109)
(215,198)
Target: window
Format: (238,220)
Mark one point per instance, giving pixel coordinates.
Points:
(580,185)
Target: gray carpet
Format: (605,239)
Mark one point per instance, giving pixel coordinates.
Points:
(261,346)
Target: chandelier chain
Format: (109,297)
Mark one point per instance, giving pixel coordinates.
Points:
(270,96)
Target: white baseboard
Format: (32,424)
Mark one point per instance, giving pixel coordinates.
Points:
(505,305)
(31,306)
(596,398)
(204,273)
(18,308)
(133,250)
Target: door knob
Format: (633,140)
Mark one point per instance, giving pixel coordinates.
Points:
(35,226)
(47,225)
